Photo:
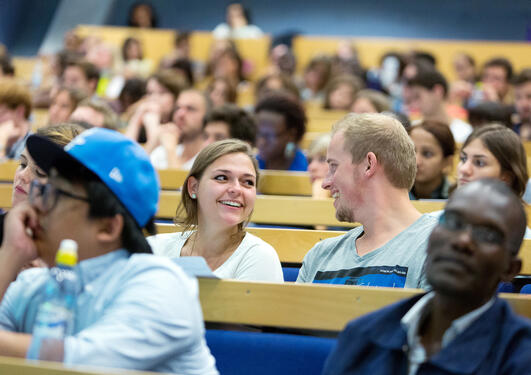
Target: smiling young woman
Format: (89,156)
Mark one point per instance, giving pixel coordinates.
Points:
(217,201)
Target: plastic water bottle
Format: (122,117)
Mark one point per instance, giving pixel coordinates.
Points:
(55,315)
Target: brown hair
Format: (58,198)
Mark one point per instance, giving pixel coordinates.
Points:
(187,212)
(508,150)
(13,94)
(387,139)
(344,79)
(379,100)
(442,134)
(110,119)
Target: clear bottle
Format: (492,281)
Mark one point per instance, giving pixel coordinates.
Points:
(55,315)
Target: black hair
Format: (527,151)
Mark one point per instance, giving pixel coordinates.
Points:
(428,79)
(291,110)
(104,203)
(522,78)
(185,66)
(154,20)
(241,124)
(487,112)
(503,63)
(134,89)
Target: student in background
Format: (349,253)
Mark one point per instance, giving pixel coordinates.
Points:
(281,123)
(15,109)
(28,170)
(217,201)
(340,92)
(64,102)
(434,149)
(229,121)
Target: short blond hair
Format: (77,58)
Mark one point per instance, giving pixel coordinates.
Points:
(13,94)
(387,139)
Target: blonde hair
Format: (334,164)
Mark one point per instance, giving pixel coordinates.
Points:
(60,134)
(13,94)
(110,119)
(319,145)
(387,139)
(187,212)
(378,100)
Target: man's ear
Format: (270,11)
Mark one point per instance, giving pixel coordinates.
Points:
(371,164)
(513,269)
(110,228)
(193,185)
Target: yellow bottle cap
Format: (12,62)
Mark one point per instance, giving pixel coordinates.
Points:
(67,253)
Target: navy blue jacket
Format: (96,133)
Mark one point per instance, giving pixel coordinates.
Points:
(497,343)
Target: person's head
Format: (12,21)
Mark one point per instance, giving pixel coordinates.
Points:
(229,64)
(229,121)
(364,147)
(63,104)
(132,49)
(142,14)
(15,102)
(221,91)
(95,112)
(184,68)
(476,243)
(190,110)
(237,15)
(493,151)
(276,83)
(522,95)
(101,182)
(221,186)
(317,73)
(163,88)
(392,65)
(182,43)
(340,92)
(498,73)
(28,170)
(281,124)
(425,92)
(370,101)
(81,75)
(317,166)
(486,112)
(434,149)
(134,89)
(465,67)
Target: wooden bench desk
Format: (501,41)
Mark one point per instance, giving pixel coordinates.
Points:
(304,306)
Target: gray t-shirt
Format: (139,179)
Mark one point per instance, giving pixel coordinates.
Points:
(399,263)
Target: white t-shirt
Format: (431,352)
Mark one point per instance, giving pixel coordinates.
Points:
(159,158)
(253,260)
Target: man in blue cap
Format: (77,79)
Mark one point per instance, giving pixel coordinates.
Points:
(134,310)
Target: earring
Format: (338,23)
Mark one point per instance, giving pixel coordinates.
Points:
(194,196)
(289,151)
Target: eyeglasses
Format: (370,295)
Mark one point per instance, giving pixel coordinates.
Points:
(45,196)
(480,233)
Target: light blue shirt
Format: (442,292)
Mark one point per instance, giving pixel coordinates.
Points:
(134,312)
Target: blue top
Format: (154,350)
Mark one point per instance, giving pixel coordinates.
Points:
(133,311)
(497,343)
(299,163)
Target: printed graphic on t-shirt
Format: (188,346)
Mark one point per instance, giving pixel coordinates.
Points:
(386,276)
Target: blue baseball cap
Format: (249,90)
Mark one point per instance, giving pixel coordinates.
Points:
(120,163)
